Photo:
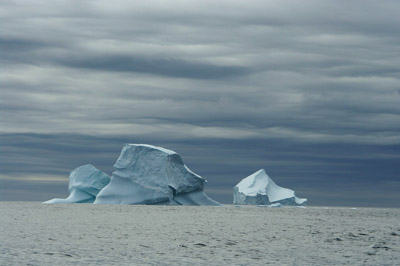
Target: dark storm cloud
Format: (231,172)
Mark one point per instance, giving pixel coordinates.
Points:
(157,66)
(211,78)
(16,50)
(18,45)
(25,190)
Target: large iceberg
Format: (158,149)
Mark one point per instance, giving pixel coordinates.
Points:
(260,189)
(147,174)
(85,182)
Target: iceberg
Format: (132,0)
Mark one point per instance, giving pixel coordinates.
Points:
(85,182)
(259,189)
(146,174)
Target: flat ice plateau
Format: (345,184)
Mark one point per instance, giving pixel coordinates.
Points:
(86,234)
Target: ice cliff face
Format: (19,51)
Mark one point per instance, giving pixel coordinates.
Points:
(147,174)
(85,182)
(260,189)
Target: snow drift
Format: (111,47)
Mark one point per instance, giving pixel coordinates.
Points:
(85,182)
(260,189)
(147,174)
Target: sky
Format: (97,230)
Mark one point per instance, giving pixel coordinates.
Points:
(308,90)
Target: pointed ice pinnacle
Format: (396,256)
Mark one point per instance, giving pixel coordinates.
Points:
(260,189)
(147,174)
(85,182)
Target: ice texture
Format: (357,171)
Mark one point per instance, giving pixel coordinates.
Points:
(85,182)
(146,174)
(260,189)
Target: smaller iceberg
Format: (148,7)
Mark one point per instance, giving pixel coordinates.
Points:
(260,189)
(85,182)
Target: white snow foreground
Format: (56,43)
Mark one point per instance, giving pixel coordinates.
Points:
(260,189)
(147,174)
(85,182)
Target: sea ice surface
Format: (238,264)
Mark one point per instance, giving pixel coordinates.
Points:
(85,182)
(146,174)
(259,189)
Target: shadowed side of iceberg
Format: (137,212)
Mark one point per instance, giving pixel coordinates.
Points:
(123,191)
(241,198)
(198,198)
